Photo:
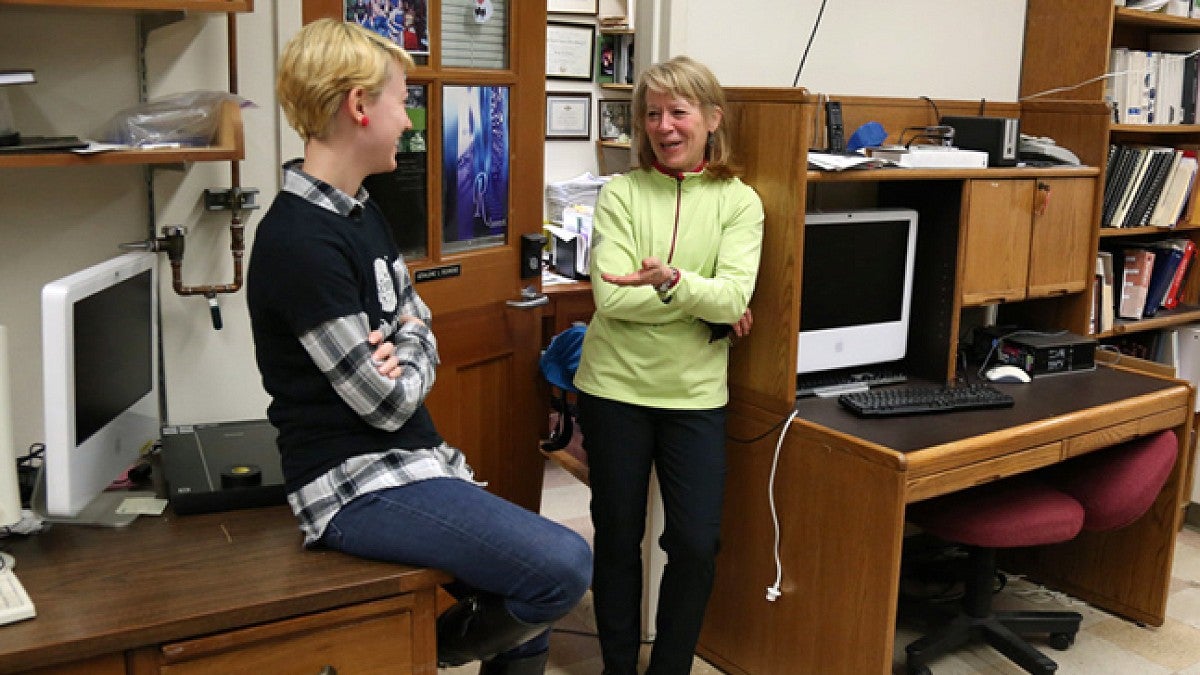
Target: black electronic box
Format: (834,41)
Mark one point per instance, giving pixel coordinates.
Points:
(999,137)
(1046,353)
(222,466)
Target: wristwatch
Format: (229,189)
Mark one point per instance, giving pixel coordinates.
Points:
(669,283)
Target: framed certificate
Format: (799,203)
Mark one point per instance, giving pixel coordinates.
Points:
(569,50)
(568,116)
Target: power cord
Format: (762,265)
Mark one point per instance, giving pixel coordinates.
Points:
(811,35)
(774,590)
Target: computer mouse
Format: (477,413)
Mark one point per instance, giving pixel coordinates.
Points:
(1006,374)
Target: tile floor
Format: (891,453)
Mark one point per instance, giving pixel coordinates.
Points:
(1105,644)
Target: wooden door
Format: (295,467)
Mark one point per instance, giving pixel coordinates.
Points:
(468,186)
(994,257)
(1060,252)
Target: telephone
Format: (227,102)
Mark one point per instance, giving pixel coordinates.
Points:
(1042,150)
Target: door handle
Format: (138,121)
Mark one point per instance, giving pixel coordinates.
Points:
(529,302)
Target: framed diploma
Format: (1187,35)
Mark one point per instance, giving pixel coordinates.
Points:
(568,116)
(569,50)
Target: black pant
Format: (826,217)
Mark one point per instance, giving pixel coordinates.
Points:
(687,450)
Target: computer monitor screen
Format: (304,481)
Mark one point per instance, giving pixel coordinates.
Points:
(856,288)
(100,371)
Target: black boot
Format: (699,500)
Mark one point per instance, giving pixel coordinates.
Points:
(530,665)
(479,628)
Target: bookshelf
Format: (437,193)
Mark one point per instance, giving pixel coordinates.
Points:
(617,40)
(1068,42)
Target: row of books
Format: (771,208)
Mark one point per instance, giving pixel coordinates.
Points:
(1137,281)
(1155,86)
(1147,185)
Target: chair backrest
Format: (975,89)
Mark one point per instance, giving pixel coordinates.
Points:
(561,358)
(1117,485)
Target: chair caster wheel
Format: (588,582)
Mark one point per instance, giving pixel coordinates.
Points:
(918,669)
(1061,641)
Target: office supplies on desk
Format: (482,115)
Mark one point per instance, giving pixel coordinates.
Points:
(932,157)
(915,399)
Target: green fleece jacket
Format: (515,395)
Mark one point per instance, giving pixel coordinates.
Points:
(652,349)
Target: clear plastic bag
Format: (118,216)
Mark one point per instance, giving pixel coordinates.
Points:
(189,119)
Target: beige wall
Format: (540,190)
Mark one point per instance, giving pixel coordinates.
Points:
(55,221)
(964,49)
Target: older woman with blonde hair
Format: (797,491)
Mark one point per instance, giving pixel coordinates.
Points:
(674,260)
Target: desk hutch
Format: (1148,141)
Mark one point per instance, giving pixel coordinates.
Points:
(842,484)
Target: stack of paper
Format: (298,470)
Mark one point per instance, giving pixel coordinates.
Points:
(933,157)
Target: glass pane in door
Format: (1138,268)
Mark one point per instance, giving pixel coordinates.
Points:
(475,171)
(475,34)
(405,22)
(402,194)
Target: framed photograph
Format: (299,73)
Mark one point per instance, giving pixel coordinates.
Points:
(615,118)
(569,50)
(400,21)
(568,116)
(572,7)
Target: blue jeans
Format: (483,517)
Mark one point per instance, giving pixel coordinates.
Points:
(541,568)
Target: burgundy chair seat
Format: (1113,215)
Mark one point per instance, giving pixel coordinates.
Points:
(1119,484)
(1006,514)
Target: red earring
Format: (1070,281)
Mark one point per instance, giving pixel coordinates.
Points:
(365,121)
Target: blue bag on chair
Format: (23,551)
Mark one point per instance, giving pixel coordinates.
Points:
(559,363)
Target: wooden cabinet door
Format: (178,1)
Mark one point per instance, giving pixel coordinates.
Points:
(1060,251)
(466,191)
(994,248)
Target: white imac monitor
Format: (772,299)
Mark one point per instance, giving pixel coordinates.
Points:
(100,371)
(856,288)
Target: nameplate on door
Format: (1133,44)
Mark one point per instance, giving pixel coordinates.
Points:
(443,272)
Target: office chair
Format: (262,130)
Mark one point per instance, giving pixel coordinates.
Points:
(1118,485)
(1009,513)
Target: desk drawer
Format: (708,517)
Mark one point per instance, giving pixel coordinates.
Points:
(375,637)
(1119,433)
(986,471)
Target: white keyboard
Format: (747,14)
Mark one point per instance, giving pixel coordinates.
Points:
(15,604)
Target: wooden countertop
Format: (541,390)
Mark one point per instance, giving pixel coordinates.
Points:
(99,591)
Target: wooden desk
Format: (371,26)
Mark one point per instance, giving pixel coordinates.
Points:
(220,593)
(841,489)
(568,303)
